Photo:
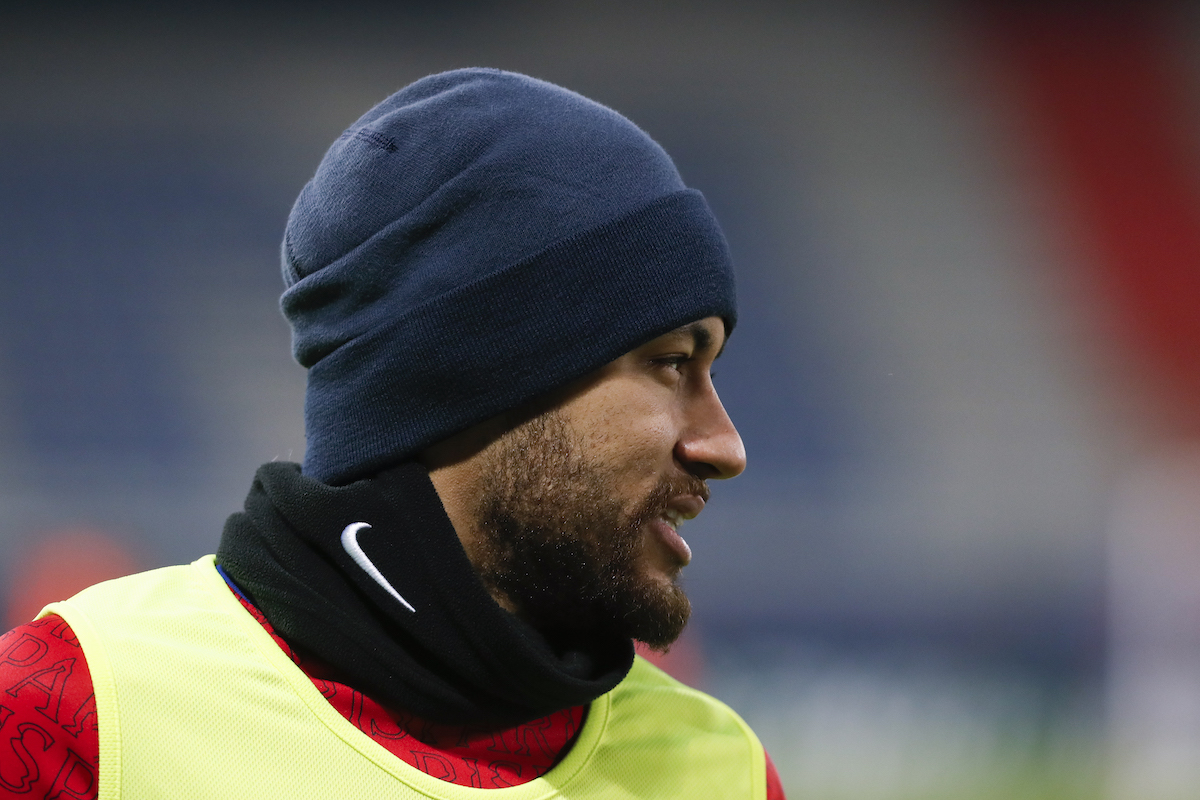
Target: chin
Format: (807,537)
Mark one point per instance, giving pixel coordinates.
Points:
(658,613)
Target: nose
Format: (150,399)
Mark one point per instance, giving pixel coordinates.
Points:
(710,446)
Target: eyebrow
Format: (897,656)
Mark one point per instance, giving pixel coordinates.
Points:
(701,338)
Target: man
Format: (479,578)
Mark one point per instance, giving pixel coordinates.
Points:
(509,305)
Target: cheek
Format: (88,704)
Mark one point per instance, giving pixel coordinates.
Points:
(629,427)
(636,447)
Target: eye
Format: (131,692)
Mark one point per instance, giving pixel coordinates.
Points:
(675,361)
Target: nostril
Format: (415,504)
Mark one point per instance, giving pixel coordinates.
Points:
(703,471)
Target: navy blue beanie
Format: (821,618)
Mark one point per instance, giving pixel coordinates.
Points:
(476,240)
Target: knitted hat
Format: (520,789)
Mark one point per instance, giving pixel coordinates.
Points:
(474,241)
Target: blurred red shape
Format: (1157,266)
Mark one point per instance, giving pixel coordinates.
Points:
(59,563)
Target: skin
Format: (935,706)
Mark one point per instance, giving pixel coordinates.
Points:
(649,415)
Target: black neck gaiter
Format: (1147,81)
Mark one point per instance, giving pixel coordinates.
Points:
(319,561)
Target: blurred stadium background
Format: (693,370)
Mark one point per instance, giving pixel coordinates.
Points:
(965,559)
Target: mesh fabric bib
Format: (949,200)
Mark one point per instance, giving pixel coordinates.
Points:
(194,700)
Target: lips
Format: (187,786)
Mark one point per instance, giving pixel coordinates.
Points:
(678,509)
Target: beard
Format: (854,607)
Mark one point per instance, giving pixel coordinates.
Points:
(558,545)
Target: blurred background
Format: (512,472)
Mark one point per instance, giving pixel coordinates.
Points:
(965,559)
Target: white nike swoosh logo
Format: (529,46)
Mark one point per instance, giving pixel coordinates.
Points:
(352,548)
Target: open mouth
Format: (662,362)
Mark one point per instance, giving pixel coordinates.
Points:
(667,527)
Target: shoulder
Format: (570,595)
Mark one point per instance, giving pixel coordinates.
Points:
(651,685)
(649,698)
(137,590)
(171,600)
(670,740)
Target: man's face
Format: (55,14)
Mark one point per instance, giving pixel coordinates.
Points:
(575,511)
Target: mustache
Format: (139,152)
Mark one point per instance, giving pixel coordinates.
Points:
(667,488)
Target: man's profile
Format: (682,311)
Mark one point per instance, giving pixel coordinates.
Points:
(509,305)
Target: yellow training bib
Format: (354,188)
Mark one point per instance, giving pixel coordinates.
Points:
(195,700)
